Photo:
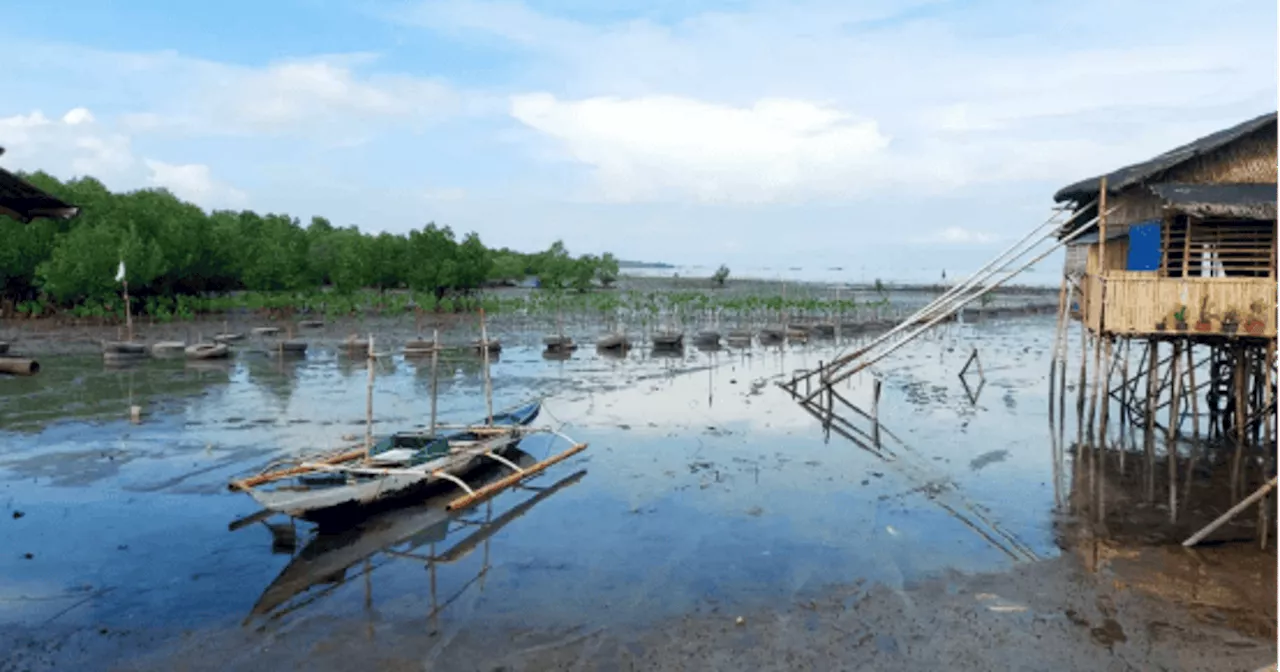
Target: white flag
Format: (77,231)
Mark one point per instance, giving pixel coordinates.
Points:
(120,272)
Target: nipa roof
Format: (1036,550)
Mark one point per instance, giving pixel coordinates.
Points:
(24,202)
(1085,190)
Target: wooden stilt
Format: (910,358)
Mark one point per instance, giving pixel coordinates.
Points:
(1104,415)
(1195,421)
(1172,443)
(1083,381)
(1057,344)
(368,406)
(435,376)
(1241,413)
(488,384)
(1153,352)
(1126,352)
(1062,362)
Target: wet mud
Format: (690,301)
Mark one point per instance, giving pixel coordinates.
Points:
(712,524)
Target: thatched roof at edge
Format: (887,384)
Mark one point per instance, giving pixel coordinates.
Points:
(24,202)
(1086,190)
(1219,201)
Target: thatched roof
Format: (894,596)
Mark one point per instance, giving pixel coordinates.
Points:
(1219,201)
(1147,171)
(24,202)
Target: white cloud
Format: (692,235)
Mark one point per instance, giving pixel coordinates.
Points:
(194,182)
(77,116)
(955,235)
(77,145)
(969,97)
(73,145)
(326,98)
(654,147)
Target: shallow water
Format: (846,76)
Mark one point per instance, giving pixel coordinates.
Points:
(705,484)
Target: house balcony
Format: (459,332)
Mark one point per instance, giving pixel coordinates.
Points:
(1143,304)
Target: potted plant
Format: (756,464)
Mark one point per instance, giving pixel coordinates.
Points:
(1160,326)
(1230,321)
(1202,321)
(1256,324)
(1180,318)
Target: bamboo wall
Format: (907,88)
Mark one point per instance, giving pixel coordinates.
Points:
(1133,205)
(1136,301)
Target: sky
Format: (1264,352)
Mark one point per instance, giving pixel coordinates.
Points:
(904,136)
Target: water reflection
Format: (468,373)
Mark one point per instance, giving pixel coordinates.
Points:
(413,534)
(840,416)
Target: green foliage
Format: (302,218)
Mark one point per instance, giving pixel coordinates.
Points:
(182,261)
(720,276)
(607,269)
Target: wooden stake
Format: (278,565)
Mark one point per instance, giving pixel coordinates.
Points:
(435,377)
(1195,420)
(368,406)
(1062,363)
(1153,353)
(1238,458)
(128,312)
(1172,449)
(488,387)
(1057,344)
(1106,397)
(1084,375)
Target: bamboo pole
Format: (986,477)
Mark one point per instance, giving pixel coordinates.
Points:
(1172,447)
(128,312)
(511,479)
(1195,419)
(1153,353)
(1057,344)
(1083,382)
(1106,399)
(435,376)
(984,272)
(1231,513)
(488,386)
(1124,404)
(942,316)
(1062,363)
(1238,459)
(368,405)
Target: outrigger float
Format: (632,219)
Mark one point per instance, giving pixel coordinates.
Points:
(404,464)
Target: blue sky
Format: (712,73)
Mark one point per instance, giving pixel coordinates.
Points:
(881,133)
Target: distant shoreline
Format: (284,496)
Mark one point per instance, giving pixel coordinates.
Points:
(705,282)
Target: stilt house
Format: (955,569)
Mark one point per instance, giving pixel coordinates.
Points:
(1189,244)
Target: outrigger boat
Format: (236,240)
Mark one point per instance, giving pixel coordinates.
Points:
(332,557)
(400,465)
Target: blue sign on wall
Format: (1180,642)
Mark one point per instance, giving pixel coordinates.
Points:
(1144,247)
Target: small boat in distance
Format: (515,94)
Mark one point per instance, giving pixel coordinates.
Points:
(614,341)
(668,339)
(208,351)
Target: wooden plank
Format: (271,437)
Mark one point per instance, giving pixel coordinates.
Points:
(1186,250)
